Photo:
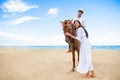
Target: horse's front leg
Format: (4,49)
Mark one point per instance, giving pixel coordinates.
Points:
(78,52)
(73,59)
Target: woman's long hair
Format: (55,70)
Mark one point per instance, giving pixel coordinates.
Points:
(80,25)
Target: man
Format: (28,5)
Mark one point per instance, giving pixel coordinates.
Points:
(79,17)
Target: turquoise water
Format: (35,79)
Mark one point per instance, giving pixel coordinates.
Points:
(107,47)
(64,47)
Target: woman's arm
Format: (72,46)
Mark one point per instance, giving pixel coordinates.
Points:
(79,34)
(68,34)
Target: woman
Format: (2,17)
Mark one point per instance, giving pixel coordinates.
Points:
(85,64)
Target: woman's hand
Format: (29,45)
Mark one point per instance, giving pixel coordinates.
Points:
(67,34)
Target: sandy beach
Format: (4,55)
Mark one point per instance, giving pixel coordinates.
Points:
(54,64)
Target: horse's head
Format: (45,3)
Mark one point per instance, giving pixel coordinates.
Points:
(67,27)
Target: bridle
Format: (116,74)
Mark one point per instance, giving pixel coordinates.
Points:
(70,31)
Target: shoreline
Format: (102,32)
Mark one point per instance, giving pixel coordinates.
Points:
(98,47)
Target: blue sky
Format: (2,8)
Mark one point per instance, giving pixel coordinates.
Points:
(30,22)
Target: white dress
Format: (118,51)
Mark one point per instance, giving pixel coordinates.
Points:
(85,62)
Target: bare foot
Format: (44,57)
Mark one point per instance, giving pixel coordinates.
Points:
(93,76)
(85,76)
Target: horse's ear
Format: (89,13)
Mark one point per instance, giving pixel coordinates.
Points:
(62,24)
(71,20)
(60,21)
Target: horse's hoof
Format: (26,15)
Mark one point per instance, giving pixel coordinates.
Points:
(73,70)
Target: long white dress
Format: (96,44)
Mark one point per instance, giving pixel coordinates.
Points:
(85,62)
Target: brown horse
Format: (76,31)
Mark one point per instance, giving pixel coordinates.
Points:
(74,44)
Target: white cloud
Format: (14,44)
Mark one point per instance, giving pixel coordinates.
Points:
(54,40)
(52,11)
(113,39)
(16,6)
(59,39)
(14,36)
(110,38)
(23,19)
(30,40)
(5,15)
